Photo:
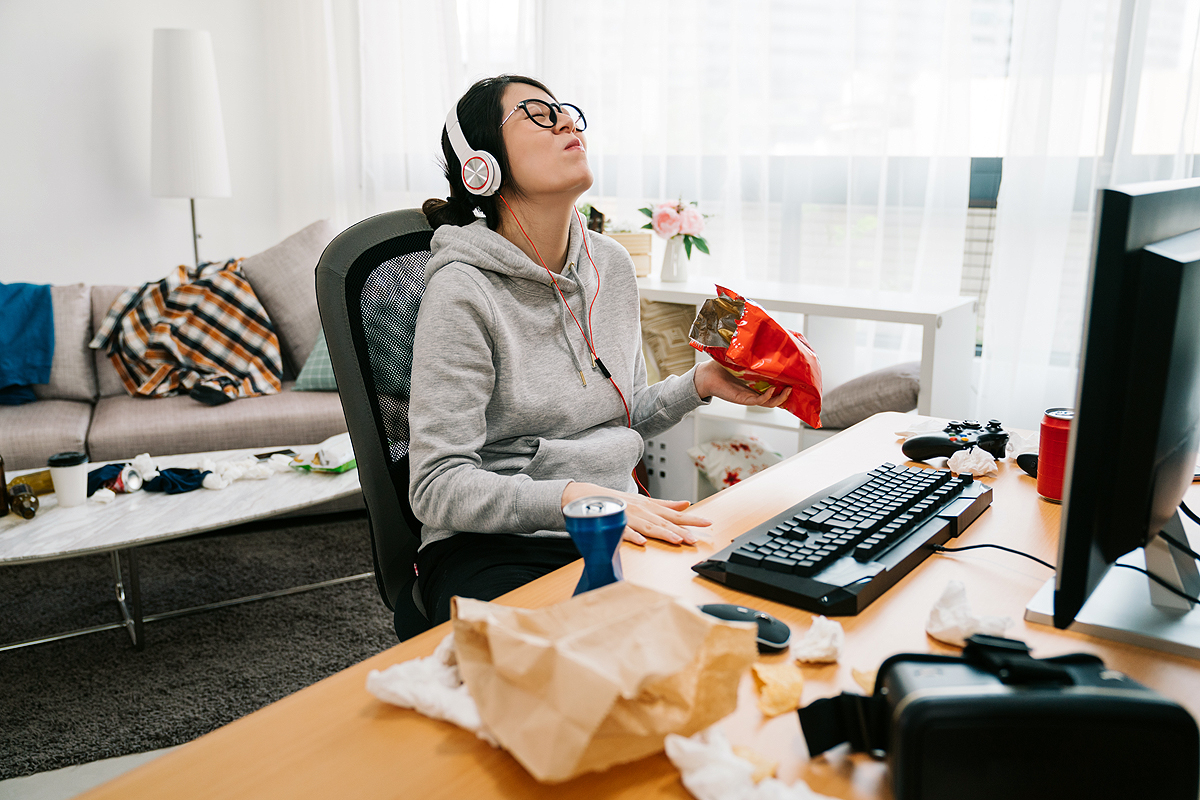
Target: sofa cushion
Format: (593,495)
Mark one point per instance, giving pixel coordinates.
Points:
(892,388)
(284,279)
(107,381)
(124,426)
(31,433)
(317,375)
(72,374)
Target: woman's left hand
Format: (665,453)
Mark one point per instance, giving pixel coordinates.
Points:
(713,380)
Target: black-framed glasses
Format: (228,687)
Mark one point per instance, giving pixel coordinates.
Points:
(545,115)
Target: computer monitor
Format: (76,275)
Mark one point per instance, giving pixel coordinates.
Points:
(1134,439)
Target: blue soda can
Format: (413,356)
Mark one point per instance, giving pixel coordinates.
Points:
(596,525)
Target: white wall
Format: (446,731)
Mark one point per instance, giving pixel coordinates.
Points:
(75,200)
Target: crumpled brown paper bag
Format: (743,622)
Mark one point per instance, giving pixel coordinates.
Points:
(600,679)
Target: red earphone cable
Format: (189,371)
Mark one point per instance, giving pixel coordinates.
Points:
(587,339)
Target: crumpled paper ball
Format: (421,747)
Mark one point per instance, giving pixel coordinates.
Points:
(431,686)
(952,621)
(710,770)
(144,465)
(974,461)
(822,643)
(103,495)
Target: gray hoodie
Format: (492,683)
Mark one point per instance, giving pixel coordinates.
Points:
(501,419)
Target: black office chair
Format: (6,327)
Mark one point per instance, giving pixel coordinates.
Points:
(369,284)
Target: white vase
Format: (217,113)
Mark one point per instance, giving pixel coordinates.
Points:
(674,266)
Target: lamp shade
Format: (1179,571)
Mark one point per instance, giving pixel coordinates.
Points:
(187,133)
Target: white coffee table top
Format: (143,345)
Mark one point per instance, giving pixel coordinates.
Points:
(143,517)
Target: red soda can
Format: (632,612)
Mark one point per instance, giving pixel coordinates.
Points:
(128,480)
(1052,452)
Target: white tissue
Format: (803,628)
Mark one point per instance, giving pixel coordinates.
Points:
(433,687)
(973,461)
(144,465)
(1018,444)
(918,428)
(710,770)
(822,644)
(280,463)
(951,621)
(103,495)
(336,451)
(223,473)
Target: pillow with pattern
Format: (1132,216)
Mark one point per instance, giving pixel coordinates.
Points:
(727,461)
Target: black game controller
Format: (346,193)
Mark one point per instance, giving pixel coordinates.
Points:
(958,436)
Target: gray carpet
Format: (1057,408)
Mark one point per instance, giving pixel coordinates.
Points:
(93,697)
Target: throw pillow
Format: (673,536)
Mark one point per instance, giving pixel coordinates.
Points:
(728,461)
(72,372)
(283,279)
(892,388)
(317,375)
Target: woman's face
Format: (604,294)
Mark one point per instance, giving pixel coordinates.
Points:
(543,160)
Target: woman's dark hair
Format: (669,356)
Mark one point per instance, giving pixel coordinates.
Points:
(479,116)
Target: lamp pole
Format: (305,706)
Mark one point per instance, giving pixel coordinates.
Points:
(195,236)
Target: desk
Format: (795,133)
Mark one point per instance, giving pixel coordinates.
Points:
(333,739)
(947,325)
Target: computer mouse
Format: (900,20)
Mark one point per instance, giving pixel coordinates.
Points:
(773,635)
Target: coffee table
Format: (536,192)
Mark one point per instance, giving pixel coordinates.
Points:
(134,520)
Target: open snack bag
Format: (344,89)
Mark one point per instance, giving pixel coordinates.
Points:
(742,337)
(600,679)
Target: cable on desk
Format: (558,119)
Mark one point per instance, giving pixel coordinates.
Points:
(1178,545)
(937,548)
(1189,512)
(1160,582)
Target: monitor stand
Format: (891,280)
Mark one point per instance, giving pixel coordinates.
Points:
(1126,606)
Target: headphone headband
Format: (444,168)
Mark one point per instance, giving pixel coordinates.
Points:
(480,170)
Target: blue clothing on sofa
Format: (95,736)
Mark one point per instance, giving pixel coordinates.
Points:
(26,340)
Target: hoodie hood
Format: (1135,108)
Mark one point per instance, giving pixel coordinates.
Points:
(479,246)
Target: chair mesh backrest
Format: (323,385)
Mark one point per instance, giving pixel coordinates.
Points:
(369,285)
(391,297)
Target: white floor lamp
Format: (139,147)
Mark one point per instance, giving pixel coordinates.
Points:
(187,141)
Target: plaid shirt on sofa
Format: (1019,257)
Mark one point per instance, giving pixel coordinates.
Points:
(200,331)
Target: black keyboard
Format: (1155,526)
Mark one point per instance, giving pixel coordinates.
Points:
(838,550)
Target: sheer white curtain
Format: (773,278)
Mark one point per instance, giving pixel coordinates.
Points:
(312,77)
(828,142)
(1100,92)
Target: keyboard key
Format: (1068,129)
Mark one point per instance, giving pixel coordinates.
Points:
(777,564)
(747,558)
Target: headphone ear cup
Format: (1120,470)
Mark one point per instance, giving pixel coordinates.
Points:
(481,173)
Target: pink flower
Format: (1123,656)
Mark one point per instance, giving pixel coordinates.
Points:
(665,220)
(691,221)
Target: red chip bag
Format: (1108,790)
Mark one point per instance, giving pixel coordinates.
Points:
(740,336)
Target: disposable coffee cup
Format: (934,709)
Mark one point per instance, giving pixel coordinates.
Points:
(69,472)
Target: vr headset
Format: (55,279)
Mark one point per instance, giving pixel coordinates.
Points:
(998,724)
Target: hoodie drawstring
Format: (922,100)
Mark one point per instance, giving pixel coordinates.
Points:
(562,319)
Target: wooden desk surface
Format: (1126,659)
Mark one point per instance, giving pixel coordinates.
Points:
(333,739)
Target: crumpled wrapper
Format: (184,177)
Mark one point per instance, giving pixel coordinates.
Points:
(822,643)
(710,770)
(972,461)
(740,336)
(600,679)
(952,621)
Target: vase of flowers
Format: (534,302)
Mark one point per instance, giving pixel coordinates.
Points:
(680,224)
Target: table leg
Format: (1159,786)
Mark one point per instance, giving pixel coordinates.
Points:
(131,608)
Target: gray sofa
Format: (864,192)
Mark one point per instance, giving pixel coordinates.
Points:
(85,406)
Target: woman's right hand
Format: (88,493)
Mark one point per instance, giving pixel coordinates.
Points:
(645,517)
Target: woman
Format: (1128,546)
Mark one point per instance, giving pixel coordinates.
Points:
(524,318)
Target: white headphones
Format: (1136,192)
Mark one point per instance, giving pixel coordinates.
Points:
(480,170)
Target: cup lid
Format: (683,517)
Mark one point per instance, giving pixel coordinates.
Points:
(70,458)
